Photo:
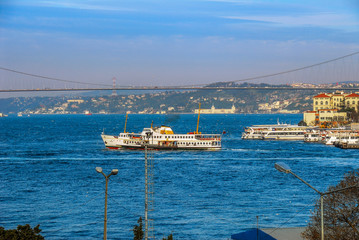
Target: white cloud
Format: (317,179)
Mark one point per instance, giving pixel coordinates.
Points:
(319,20)
(81,5)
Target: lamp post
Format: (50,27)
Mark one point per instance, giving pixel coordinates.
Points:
(282,167)
(107,177)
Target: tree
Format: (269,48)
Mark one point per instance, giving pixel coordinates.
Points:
(341,212)
(138,230)
(302,123)
(21,233)
(170,237)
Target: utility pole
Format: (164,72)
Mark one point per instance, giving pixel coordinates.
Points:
(107,177)
(149,193)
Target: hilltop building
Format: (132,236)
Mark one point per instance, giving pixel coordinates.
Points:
(326,108)
(213,110)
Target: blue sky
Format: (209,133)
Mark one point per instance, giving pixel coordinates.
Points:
(170,42)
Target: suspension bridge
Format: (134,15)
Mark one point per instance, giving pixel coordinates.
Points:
(337,70)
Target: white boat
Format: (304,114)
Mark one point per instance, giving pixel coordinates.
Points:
(290,132)
(338,137)
(162,138)
(275,132)
(256,131)
(315,135)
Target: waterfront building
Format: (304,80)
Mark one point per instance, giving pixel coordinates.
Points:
(326,108)
(336,100)
(213,110)
(313,118)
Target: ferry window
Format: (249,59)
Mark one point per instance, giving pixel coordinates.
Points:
(353,102)
(316,102)
(326,102)
(321,102)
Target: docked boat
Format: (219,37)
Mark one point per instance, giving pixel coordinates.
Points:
(275,132)
(257,131)
(290,132)
(315,135)
(337,137)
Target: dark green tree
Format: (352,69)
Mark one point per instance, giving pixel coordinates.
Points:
(21,233)
(170,237)
(341,212)
(138,230)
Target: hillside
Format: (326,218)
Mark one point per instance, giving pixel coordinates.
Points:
(166,102)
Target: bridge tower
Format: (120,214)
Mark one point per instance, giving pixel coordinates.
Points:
(114,93)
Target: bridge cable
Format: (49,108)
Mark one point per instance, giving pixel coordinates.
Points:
(51,78)
(239,80)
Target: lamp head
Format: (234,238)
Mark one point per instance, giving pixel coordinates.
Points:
(114,171)
(282,167)
(99,169)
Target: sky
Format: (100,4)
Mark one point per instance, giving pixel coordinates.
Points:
(170,43)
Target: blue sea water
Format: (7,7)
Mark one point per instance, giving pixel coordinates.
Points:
(48,177)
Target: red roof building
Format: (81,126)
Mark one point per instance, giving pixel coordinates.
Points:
(352,95)
(322,95)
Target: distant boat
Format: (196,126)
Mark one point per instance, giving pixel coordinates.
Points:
(87,112)
(19,114)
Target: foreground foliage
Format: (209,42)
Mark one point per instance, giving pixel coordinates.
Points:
(138,233)
(341,212)
(138,230)
(21,233)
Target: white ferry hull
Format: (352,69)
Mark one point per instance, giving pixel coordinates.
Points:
(275,132)
(284,137)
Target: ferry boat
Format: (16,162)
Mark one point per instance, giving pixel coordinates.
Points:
(338,137)
(163,138)
(290,132)
(315,135)
(256,131)
(275,132)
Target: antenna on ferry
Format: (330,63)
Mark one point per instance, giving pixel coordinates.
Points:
(199,111)
(125,123)
(152,124)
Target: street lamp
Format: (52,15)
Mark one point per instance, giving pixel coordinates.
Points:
(113,172)
(282,167)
